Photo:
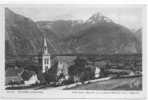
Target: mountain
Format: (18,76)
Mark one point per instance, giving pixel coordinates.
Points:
(67,28)
(23,37)
(104,38)
(62,28)
(138,35)
(99,35)
(98,18)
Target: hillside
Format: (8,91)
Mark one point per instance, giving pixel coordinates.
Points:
(23,37)
(104,38)
(62,28)
(138,35)
(98,34)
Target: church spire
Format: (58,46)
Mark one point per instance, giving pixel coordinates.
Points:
(46,61)
(45,50)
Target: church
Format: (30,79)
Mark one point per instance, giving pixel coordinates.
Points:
(63,61)
(46,57)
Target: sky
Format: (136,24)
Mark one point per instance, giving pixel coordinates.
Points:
(128,15)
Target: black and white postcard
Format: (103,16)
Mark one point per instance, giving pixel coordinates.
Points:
(73,51)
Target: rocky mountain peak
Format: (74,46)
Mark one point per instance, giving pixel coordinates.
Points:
(98,17)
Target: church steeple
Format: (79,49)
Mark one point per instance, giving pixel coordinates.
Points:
(46,60)
(45,48)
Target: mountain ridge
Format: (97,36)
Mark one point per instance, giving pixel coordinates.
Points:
(71,36)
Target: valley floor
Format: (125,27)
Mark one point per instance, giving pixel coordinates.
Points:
(128,83)
(113,84)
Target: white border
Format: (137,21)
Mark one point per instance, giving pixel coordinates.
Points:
(70,94)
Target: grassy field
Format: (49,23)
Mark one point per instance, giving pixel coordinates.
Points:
(113,84)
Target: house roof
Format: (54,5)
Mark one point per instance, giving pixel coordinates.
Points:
(11,72)
(14,78)
(18,74)
(27,74)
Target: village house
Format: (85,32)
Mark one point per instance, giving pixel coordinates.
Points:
(63,69)
(97,72)
(29,77)
(19,76)
(13,76)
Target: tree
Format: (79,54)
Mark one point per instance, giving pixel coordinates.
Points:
(50,75)
(87,74)
(78,67)
(79,70)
